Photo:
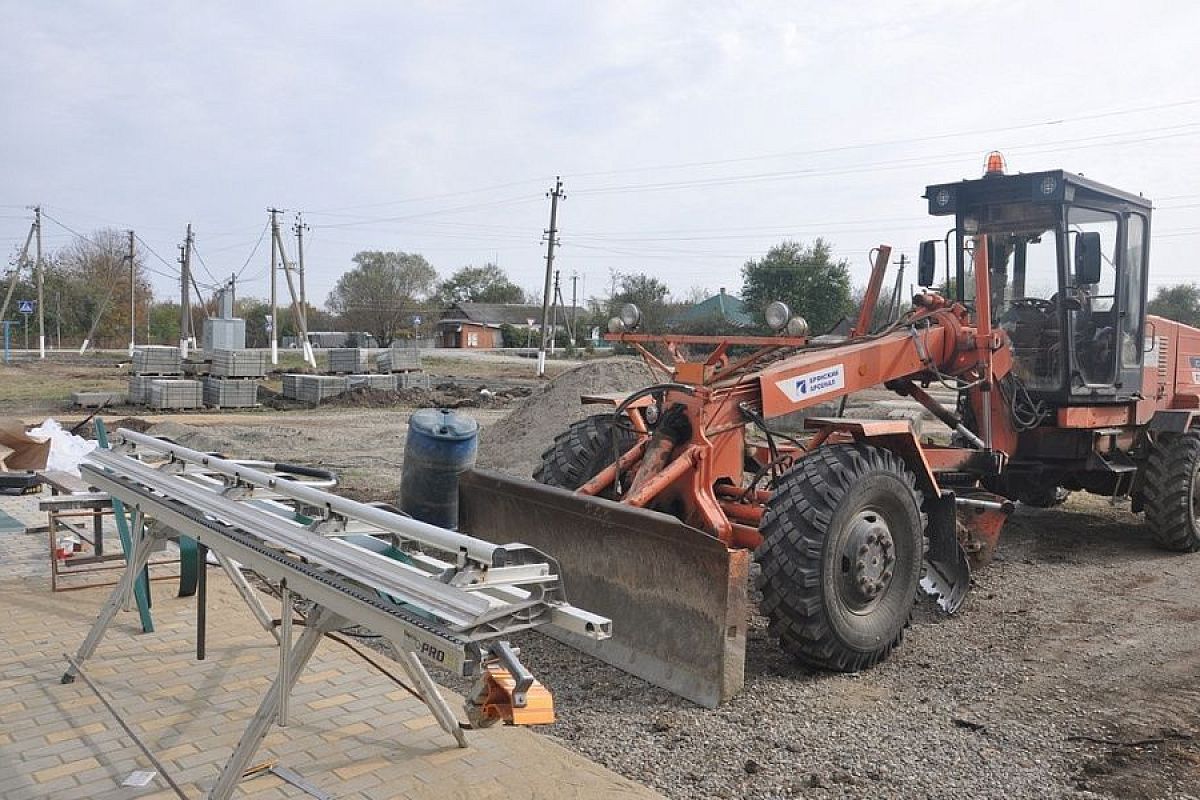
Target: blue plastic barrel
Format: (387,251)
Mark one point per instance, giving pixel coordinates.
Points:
(441,445)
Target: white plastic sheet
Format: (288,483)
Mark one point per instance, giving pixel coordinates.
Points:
(67,451)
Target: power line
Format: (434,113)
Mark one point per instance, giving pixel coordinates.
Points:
(894,142)
(331,211)
(1188,129)
(250,257)
(453,210)
(200,258)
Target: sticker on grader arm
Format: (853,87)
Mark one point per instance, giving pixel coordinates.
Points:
(812,384)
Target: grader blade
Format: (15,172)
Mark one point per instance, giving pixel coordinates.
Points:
(677,597)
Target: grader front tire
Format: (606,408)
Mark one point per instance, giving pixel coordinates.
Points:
(843,546)
(582,450)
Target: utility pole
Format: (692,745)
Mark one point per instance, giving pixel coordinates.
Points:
(185,300)
(274,212)
(41,283)
(132,298)
(22,260)
(300,228)
(298,315)
(554,306)
(551,241)
(58,319)
(574,305)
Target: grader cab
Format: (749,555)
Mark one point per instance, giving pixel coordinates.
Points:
(1036,327)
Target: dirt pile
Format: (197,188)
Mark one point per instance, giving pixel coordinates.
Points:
(515,443)
(208,440)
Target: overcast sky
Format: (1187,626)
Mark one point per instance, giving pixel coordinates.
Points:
(690,136)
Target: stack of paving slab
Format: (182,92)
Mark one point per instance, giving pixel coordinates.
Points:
(157,360)
(319,388)
(152,363)
(97,399)
(313,389)
(413,380)
(399,359)
(196,366)
(238,363)
(175,393)
(233,377)
(348,360)
(385,382)
(230,392)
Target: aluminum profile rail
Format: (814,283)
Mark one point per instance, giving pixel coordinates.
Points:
(484,553)
(471,599)
(438,596)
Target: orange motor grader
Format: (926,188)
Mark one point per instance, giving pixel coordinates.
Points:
(1059,380)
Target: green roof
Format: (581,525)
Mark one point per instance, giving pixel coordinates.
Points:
(721,305)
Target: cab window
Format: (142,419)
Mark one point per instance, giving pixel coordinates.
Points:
(1094,322)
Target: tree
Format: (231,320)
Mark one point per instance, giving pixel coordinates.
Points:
(1180,302)
(380,293)
(806,278)
(486,284)
(164,323)
(91,278)
(647,293)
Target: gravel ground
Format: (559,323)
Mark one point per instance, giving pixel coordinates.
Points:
(1070,672)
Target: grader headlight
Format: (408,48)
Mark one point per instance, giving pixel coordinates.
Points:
(777,314)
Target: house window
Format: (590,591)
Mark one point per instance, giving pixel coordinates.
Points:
(472,339)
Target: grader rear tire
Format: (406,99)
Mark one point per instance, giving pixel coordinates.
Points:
(1171,493)
(582,450)
(843,546)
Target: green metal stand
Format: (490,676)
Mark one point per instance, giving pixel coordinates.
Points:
(141,586)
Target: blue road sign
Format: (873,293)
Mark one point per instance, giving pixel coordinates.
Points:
(26,306)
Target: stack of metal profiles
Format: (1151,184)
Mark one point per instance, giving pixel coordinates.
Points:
(440,597)
(345,360)
(397,359)
(230,392)
(175,393)
(239,363)
(157,360)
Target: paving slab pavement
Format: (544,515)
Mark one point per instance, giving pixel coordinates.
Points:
(353,732)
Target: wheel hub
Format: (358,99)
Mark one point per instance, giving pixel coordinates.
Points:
(870,556)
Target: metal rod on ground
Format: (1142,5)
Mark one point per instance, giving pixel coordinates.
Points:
(125,727)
